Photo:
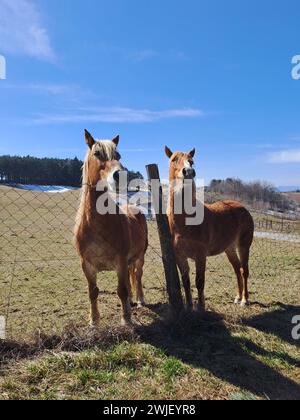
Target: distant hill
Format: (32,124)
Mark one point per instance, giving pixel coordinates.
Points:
(288,189)
(259,195)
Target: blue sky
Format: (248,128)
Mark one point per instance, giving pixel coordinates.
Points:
(210,74)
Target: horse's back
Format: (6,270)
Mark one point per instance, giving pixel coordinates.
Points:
(226,206)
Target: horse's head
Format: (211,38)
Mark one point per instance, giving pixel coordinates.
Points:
(103,161)
(181,164)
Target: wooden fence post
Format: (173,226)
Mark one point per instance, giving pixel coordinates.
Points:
(168,255)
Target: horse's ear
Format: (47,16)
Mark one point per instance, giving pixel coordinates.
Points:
(116,140)
(192,153)
(89,139)
(168,152)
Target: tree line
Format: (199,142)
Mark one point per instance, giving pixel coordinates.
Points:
(260,195)
(44,171)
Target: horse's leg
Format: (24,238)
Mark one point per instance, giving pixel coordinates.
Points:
(184,269)
(244,256)
(131,283)
(139,265)
(200,282)
(236,264)
(123,293)
(91,275)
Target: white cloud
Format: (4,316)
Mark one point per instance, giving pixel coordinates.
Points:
(144,55)
(40,88)
(140,150)
(148,54)
(295,138)
(22,31)
(51,89)
(119,115)
(285,156)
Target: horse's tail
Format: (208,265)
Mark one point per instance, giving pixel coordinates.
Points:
(247,228)
(141,218)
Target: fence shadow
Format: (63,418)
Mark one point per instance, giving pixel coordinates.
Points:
(207,343)
(278,323)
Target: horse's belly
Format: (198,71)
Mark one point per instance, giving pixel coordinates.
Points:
(104,266)
(221,244)
(188,248)
(192,248)
(100,258)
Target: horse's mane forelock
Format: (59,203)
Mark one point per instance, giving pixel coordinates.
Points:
(106,148)
(107,151)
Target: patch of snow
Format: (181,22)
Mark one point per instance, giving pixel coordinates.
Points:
(50,189)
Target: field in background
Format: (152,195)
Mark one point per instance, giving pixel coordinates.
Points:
(232,353)
(294,196)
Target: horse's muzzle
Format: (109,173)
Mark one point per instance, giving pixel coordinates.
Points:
(121,179)
(189,173)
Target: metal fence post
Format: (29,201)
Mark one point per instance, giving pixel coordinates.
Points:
(168,255)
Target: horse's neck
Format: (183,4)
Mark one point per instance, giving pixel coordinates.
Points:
(88,207)
(91,200)
(177,192)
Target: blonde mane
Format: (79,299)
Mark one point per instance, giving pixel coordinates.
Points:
(107,151)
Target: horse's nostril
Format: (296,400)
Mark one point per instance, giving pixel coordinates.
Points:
(117,176)
(189,173)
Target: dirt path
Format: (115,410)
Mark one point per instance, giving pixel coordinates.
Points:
(281,237)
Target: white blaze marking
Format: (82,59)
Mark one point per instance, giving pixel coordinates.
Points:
(110,179)
(187,164)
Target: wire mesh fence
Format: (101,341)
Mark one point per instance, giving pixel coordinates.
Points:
(42,286)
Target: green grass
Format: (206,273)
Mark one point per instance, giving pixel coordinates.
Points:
(243,396)
(95,373)
(232,353)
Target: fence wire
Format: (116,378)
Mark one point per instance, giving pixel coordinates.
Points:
(43,288)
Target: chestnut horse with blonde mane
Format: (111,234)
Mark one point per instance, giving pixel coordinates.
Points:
(227,227)
(109,242)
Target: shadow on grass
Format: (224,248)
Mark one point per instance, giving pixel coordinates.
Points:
(204,343)
(208,344)
(74,338)
(278,323)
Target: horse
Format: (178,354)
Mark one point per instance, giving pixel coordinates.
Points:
(109,242)
(227,227)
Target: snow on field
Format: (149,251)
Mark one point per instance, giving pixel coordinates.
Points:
(50,189)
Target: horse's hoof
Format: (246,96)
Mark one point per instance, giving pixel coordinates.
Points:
(237,301)
(245,303)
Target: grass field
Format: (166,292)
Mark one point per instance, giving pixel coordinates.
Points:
(294,196)
(231,353)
